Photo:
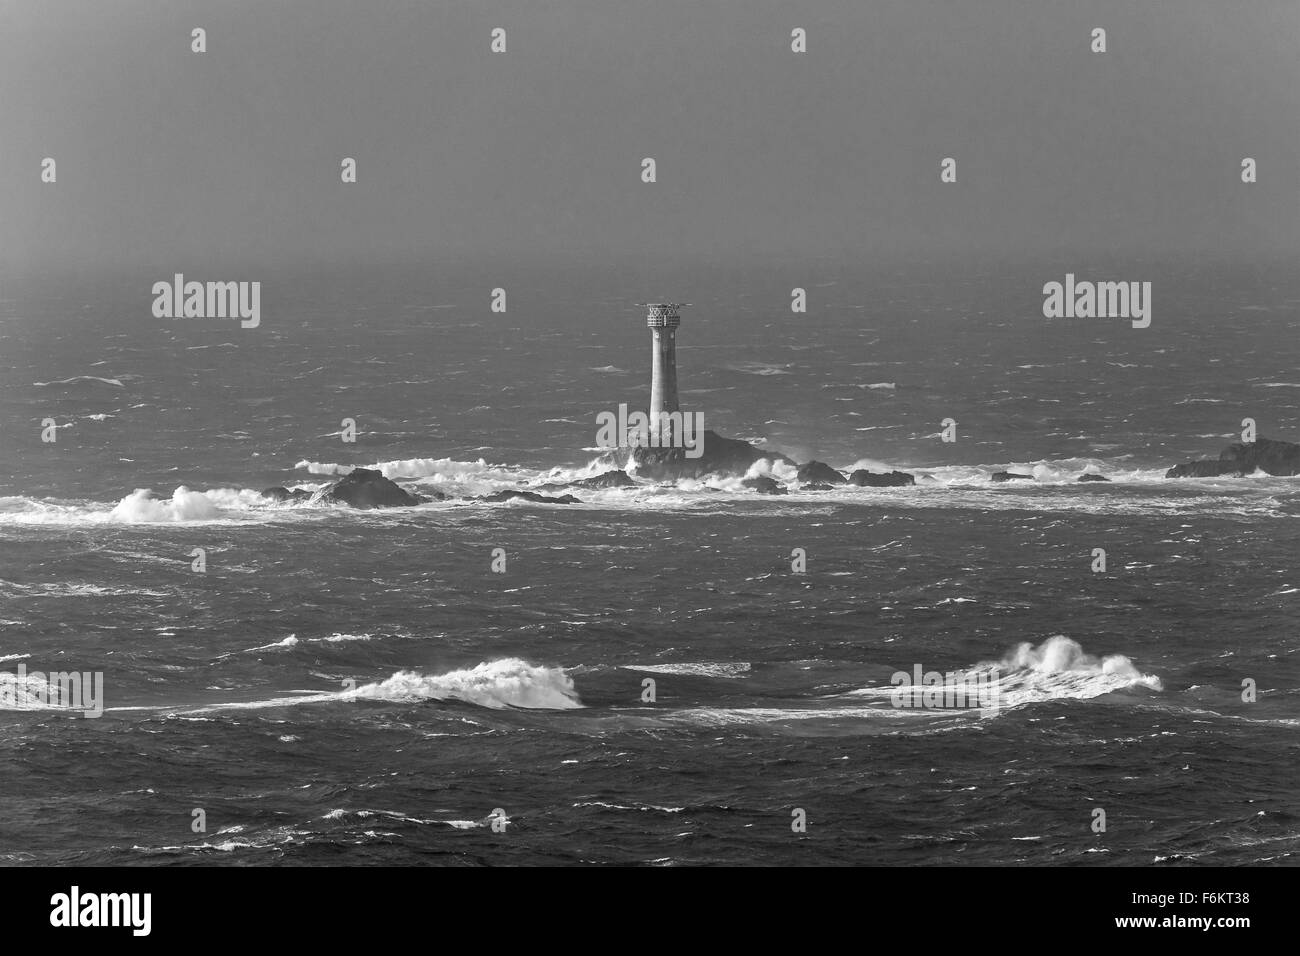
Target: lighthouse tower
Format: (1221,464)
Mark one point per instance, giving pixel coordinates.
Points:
(662,319)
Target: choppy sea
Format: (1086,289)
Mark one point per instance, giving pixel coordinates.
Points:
(344,687)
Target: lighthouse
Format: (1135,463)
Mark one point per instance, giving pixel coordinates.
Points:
(662,319)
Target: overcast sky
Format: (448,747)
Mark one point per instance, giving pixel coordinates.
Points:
(167,157)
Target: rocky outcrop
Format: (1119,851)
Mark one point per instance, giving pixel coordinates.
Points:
(1089,476)
(819,472)
(765,485)
(718,456)
(1011,476)
(817,486)
(610,479)
(867,479)
(368,488)
(1203,469)
(1278,458)
(528,496)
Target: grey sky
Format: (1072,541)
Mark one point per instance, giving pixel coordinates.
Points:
(168,158)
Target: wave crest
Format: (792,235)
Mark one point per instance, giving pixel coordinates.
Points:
(1060,668)
(508,682)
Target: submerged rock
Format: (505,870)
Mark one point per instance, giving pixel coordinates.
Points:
(280,495)
(821,473)
(368,488)
(529,496)
(765,485)
(867,479)
(817,486)
(609,479)
(1089,476)
(1203,469)
(728,457)
(1011,476)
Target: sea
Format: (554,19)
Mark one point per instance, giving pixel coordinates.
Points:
(682,673)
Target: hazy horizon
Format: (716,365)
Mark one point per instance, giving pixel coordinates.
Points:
(175,160)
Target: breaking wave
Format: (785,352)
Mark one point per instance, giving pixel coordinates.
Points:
(498,685)
(1057,669)
(509,682)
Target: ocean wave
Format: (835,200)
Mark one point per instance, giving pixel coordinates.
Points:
(509,682)
(695,669)
(72,589)
(499,684)
(288,642)
(139,507)
(1057,669)
(142,507)
(1054,487)
(759,368)
(81,378)
(292,641)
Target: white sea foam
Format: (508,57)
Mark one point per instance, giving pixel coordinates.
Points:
(140,507)
(955,486)
(185,505)
(290,641)
(1060,668)
(1057,669)
(508,682)
(82,378)
(695,669)
(499,684)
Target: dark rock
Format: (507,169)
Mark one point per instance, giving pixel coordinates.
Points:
(1203,469)
(1011,476)
(281,495)
(765,485)
(817,486)
(529,496)
(718,456)
(610,479)
(1277,458)
(822,473)
(367,488)
(1089,476)
(866,479)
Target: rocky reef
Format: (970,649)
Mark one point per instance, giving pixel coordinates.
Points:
(765,485)
(608,479)
(1277,458)
(367,488)
(718,456)
(509,495)
(361,488)
(891,479)
(281,495)
(820,473)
